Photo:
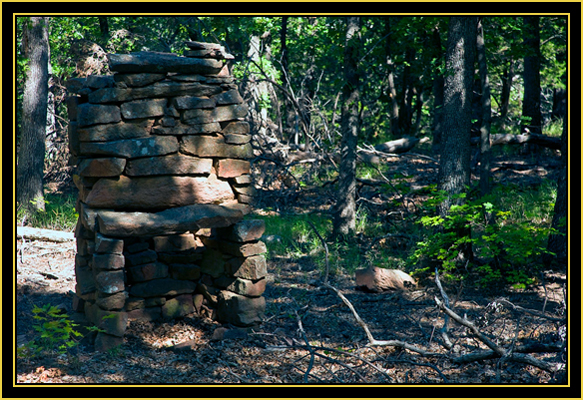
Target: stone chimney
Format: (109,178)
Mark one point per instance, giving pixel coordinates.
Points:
(162,151)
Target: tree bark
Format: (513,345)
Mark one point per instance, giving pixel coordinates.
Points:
(558,243)
(486,114)
(532,119)
(454,163)
(391,89)
(507,77)
(437,91)
(345,212)
(29,177)
(454,166)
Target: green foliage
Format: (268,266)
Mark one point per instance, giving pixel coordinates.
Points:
(508,236)
(56,333)
(59,213)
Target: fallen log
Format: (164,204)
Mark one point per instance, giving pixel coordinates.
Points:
(533,138)
(47,235)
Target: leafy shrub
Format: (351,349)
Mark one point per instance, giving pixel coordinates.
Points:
(507,247)
(56,333)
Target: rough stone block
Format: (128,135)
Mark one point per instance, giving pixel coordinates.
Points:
(208,146)
(218,114)
(113,302)
(248,230)
(174,164)
(156,90)
(85,280)
(101,167)
(162,287)
(131,148)
(157,62)
(108,261)
(146,272)
(110,282)
(190,102)
(105,342)
(235,127)
(183,129)
(145,314)
(107,245)
(185,271)
(247,287)
(143,257)
(229,168)
(178,307)
(158,192)
(99,81)
(172,243)
(143,108)
(137,80)
(179,219)
(252,268)
(243,250)
(229,97)
(91,114)
(212,263)
(240,310)
(111,132)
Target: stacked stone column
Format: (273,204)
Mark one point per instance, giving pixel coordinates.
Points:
(162,154)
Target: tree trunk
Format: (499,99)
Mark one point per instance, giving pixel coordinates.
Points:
(406,106)
(531,114)
(454,164)
(507,77)
(345,212)
(437,91)
(391,89)
(558,243)
(29,178)
(486,114)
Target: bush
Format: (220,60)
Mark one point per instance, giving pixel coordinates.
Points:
(507,247)
(56,333)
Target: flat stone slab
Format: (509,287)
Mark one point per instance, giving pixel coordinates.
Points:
(145,61)
(158,192)
(179,219)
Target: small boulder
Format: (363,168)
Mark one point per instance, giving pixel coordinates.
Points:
(380,279)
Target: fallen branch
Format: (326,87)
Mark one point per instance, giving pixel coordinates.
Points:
(47,235)
(534,138)
(498,351)
(371,340)
(528,310)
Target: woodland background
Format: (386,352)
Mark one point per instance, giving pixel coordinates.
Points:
(367,154)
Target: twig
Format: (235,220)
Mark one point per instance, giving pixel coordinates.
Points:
(528,310)
(498,351)
(371,340)
(444,329)
(301,330)
(463,321)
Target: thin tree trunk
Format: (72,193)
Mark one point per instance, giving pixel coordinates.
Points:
(507,77)
(531,113)
(345,212)
(486,114)
(558,242)
(29,178)
(437,91)
(391,89)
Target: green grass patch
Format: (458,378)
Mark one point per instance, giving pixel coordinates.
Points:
(59,214)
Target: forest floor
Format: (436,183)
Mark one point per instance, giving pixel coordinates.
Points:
(309,334)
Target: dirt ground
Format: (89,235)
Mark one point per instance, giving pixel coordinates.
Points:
(309,335)
(307,328)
